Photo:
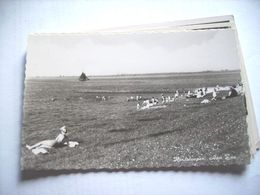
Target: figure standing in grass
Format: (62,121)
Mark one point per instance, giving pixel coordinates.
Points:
(138,106)
(163,98)
(176,95)
(214,94)
(60,140)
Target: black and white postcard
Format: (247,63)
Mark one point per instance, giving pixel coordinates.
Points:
(134,99)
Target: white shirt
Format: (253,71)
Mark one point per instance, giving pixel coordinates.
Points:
(60,138)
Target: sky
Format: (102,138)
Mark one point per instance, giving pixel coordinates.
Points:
(131,53)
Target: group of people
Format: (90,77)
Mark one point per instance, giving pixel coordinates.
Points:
(167,99)
(147,103)
(102,98)
(132,98)
(198,93)
(233,91)
(155,103)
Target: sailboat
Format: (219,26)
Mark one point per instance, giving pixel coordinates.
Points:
(83,77)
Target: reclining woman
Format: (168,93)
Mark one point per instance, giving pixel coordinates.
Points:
(60,140)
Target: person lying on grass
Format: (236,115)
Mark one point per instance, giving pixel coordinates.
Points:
(60,140)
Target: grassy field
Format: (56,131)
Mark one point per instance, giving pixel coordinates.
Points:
(112,134)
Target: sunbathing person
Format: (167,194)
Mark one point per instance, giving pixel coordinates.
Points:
(60,140)
(232,92)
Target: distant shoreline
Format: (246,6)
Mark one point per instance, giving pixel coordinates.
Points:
(167,74)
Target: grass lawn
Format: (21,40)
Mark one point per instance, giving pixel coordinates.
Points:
(112,134)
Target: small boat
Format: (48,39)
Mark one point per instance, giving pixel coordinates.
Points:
(83,77)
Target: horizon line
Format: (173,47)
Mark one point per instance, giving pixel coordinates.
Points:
(136,74)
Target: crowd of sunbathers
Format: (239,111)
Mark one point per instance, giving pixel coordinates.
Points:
(213,92)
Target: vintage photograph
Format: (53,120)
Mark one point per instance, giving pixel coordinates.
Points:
(134,101)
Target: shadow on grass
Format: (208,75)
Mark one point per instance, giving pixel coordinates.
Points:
(163,133)
(149,119)
(123,141)
(121,130)
(230,169)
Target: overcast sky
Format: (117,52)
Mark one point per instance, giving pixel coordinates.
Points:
(54,55)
